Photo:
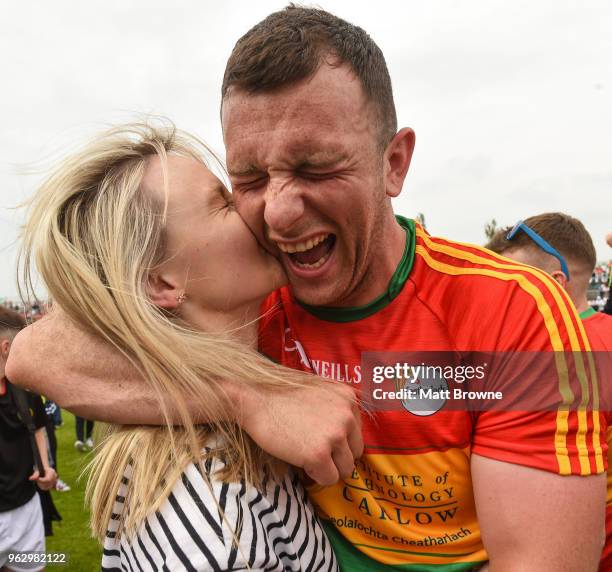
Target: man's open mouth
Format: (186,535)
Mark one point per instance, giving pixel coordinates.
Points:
(310,254)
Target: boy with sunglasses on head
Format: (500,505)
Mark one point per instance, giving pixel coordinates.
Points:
(560,245)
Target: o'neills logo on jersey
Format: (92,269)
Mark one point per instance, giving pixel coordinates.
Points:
(328,369)
(292,345)
(338,371)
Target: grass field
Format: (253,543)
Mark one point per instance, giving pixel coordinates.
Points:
(72,535)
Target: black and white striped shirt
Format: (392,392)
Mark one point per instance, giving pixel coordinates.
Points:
(194,528)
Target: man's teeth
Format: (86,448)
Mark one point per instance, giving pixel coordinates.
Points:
(318,263)
(302,246)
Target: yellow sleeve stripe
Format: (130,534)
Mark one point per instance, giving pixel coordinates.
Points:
(564,302)
(558,347)
(560,296)
(508,264)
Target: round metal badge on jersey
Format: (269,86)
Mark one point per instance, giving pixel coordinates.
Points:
(426,394)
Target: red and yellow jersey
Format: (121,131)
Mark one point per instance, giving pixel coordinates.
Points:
(409,503)
(598,327)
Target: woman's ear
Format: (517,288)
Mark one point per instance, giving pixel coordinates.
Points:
(397,160)
(163,291)
(5,346)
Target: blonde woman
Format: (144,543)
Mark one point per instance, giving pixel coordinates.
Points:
(138,242)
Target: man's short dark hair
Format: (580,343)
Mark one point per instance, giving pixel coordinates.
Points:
(10,321)
(563,232)
(290,45)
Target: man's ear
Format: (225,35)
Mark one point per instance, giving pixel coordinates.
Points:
(163,291)
(560,277)
(397,160)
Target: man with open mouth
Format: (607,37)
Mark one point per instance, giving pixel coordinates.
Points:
(315,157)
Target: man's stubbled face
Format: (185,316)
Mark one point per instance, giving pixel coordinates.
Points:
(306,170)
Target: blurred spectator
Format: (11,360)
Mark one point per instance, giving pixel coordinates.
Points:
(608,307)
(21,516)
(561,245)
(51,410)
(54,411)
(84,431)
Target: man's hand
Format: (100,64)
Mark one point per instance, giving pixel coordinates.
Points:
(47,482)
(316,428)
(535,521)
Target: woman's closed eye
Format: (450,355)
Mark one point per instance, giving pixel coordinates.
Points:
(226,200)
(229,203)
(221,202)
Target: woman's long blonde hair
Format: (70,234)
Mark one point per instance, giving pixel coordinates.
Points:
(94,236)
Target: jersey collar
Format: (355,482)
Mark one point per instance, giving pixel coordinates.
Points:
(331,314)
(587,314)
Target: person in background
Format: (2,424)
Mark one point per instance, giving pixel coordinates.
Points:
(84,432)
(21,518)
(608,307)
(55,411)
(562,246)
(51,411)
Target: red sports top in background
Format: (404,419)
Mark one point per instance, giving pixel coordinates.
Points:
(598,327)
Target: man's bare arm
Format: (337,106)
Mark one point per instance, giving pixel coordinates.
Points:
(81,373)
(537,521)
(317,428)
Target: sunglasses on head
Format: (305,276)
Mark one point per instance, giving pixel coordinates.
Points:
(545,246)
